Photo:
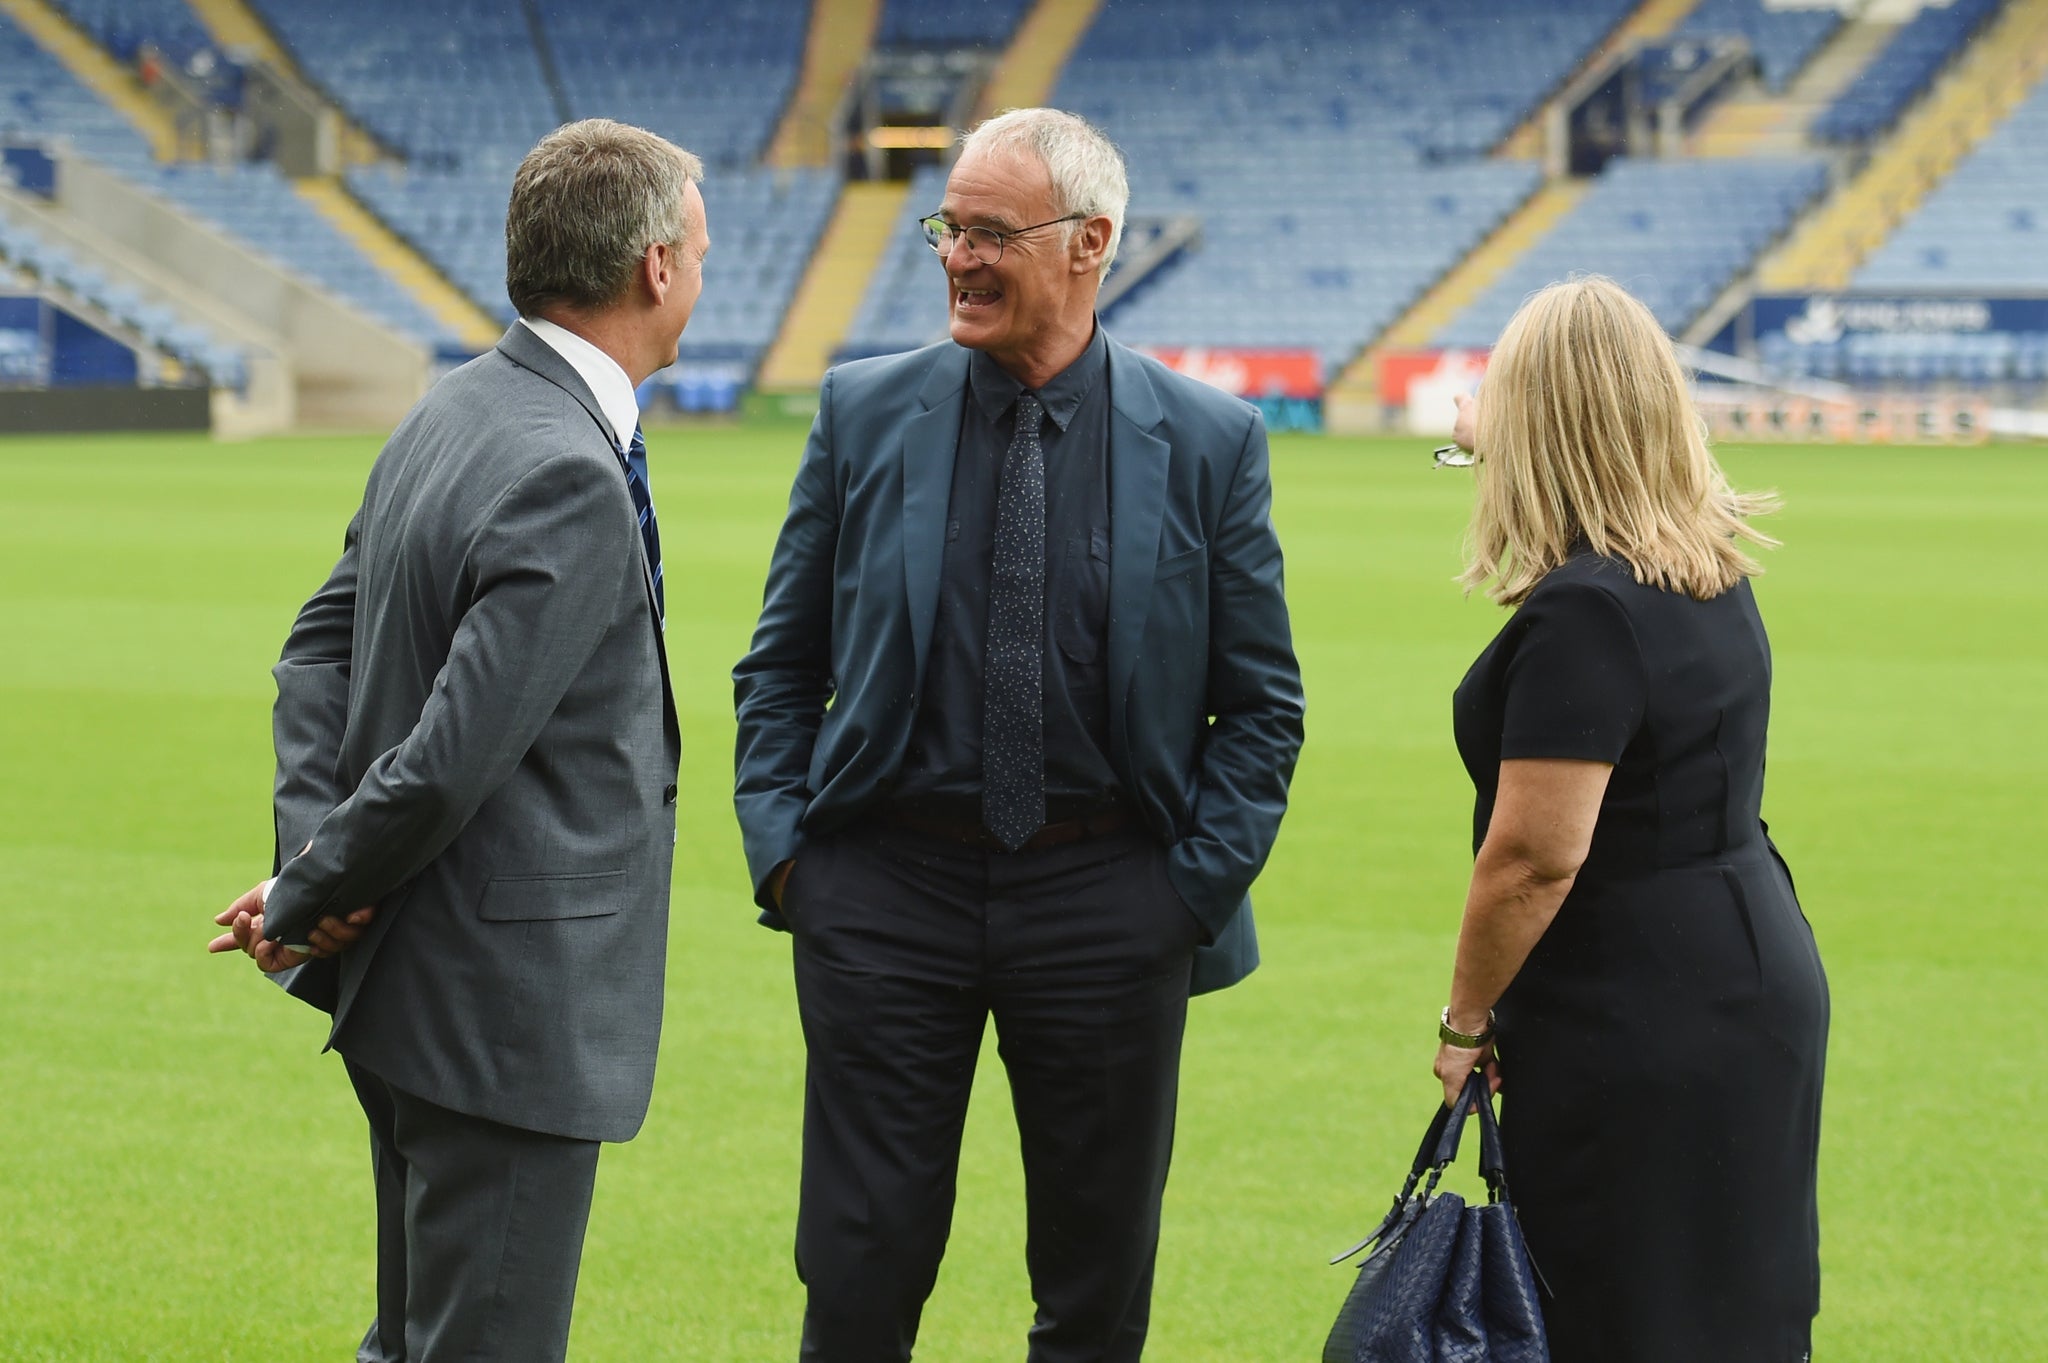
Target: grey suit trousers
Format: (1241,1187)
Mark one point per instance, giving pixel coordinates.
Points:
(479,1232)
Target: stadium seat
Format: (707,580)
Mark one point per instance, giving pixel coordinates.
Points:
(157,325)
(1903,71)
(1782,38)
(1335,171)
(1980,231)
(1674,233)
(949,23)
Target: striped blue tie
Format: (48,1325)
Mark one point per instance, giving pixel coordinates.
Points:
(634,460)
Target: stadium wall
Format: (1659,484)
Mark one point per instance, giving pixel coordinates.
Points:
(347,370)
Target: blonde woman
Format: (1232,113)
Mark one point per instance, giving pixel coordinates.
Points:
(1633,969)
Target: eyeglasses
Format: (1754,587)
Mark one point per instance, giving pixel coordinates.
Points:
(1451,457)
(985,244)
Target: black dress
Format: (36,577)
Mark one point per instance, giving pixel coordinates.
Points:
(1662,1048)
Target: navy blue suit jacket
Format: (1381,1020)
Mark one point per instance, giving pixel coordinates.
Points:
(1205,712)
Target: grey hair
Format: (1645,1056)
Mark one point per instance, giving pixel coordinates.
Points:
(587,202)
(1086,168)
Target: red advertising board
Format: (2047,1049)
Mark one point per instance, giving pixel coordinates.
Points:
(1246,373)
(1403,370)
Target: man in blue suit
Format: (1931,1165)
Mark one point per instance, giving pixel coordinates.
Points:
(1015,734)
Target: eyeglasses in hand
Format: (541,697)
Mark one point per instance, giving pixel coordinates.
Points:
(1451,457)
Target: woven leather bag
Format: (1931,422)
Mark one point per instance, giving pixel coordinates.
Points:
(1444,1282)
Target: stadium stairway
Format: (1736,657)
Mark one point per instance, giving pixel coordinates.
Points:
(818,319)
(234,25)
(85,59)
(840,36)
(1651,19)
(1755,122)
(1985,85)
(1353,399)
(1031,66)
(391,253)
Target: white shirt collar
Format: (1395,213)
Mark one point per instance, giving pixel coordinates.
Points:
(608,383)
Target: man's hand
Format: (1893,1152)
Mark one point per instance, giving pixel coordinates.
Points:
(243,920)
(778,878)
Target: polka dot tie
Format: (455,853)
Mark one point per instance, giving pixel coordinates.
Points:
(1013,707)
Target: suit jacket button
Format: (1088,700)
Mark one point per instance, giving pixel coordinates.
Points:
(668,794)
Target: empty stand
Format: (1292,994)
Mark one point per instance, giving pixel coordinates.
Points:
(949,23)
(1782,39)
(1992,77)
(151,322)
(1903,71)
(1674,233)
(711,75)
(440,85)
(1332,152)
(251,203)
(123,26)
(904,305)
(1985,229)
(85,98)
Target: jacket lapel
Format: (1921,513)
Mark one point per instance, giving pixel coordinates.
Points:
(930,441)
(1137,505)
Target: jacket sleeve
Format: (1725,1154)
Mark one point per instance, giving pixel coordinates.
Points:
(307,725)
(545,566)
(1254,696)
(783,684)
(311,714)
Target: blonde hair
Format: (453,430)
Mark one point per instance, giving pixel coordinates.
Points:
(1587,430)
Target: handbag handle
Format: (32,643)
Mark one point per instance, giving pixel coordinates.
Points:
(1474,1098)
(1440,1147)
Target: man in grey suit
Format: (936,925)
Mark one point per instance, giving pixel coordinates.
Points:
(1015,734)
(475,736)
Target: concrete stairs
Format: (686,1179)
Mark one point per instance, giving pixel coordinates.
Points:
(1971,98)
(395,256)
(235,26)
(1651,19)
(841,35)
(1754,122)
(84,58)
(1031,67)
(869,213)
(1354,396)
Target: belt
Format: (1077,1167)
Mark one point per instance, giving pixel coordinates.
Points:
(971,833)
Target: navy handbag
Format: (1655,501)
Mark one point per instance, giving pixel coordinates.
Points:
(1444,1282)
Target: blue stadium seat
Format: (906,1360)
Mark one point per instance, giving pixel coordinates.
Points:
(158,326)
(1985,228)
(1336,169)
(1903,71)
(1674,233)
(1782,39)
(462,88)
(949,23)
(123,26)
(713,77)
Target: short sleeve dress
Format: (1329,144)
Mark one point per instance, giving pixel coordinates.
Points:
(1662,1048)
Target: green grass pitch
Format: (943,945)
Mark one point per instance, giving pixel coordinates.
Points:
(183,1175)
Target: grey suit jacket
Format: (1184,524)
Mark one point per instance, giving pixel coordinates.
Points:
(474,731)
